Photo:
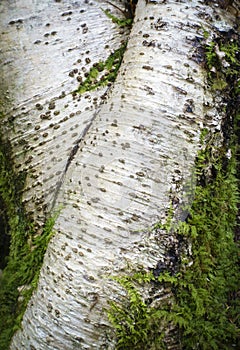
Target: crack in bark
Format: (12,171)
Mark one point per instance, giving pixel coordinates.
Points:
(71,158)
(74,152)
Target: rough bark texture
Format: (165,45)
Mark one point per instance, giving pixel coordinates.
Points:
(136,157)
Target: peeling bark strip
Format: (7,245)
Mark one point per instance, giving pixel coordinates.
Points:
(141,147)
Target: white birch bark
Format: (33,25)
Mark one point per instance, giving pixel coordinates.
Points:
(46,47)
(140,148)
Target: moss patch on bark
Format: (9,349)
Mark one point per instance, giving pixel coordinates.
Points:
(26,251)
(203,287)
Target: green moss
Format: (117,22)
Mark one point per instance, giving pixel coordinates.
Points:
(211,56)
(119,21)
(103,73)
(222,62)
(20,276)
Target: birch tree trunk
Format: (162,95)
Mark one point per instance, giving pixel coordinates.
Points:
(134,156)
(47,48)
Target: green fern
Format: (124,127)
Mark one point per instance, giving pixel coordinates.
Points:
(202,308)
